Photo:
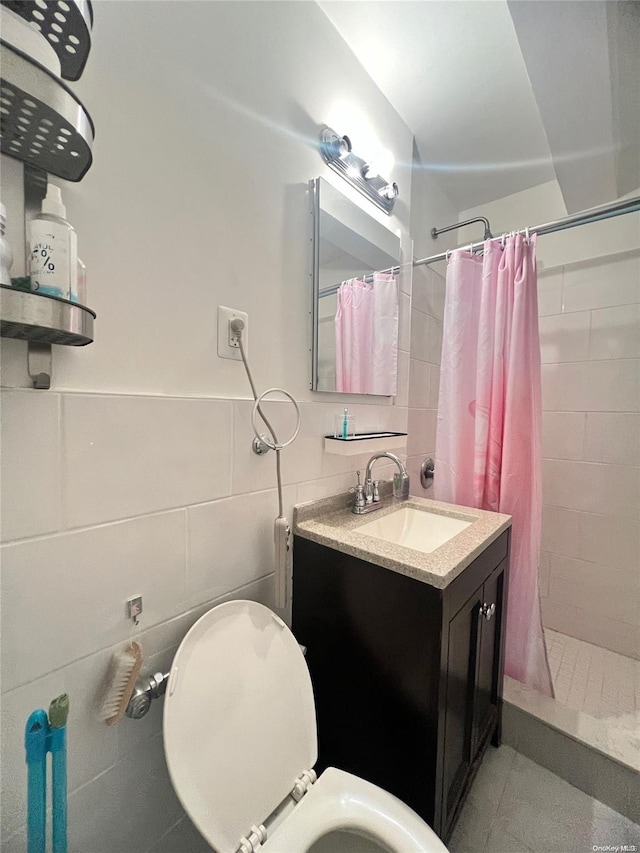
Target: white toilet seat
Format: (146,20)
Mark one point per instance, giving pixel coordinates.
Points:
(240,742)
(341,801)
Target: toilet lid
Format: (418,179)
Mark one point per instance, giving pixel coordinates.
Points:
(239,720)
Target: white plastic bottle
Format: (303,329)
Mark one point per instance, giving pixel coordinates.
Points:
(6,252)
(53,249)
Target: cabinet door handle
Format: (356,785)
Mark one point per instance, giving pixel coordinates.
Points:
(487,610)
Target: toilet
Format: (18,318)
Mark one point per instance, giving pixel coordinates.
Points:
(240,741)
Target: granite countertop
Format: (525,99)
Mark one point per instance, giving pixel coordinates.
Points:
(330,522)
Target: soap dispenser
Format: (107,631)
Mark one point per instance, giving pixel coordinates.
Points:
(53,249)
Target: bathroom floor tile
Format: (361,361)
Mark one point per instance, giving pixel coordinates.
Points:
(537,811)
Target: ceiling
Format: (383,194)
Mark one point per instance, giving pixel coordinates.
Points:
(502,96)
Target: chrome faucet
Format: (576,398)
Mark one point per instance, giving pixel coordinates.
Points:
(368,496)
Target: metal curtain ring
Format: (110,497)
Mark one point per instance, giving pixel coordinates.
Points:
(263,439)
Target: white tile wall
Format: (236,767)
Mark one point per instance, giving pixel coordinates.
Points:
(612,437)
(615,332)
(565,337)
(424,374)
(125,456)
(30,453)
(590,337)
(73,586)
(563,434)
(601,284)
(592,386)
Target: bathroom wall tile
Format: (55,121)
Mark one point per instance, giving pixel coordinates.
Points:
(422,431)
(326,487)
(183,837)
(169,634)
(612,437)
(74,586)
(428,292)
(437,295)
(608,540)
(565,337)
(615,332)
(550,293)
(404,322)
(598,285)
(590,487)
(92,746)
(593,628)
(414,464)
(543,578)
(30,463)
(300,461)
(141,779)
(560,530)
(419,379)
(405,276)
(595,588)
(220,554)
(402,394)
(426,338)
(563,434)
(126,456)
(597,386)
(434,386)
(419,296)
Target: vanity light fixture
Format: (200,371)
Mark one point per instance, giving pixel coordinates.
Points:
(337,153)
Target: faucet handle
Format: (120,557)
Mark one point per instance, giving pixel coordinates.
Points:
(360,500)
(376,491)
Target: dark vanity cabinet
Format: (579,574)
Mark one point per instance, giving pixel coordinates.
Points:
(407,677)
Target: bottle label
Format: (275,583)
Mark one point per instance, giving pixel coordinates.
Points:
(49,258)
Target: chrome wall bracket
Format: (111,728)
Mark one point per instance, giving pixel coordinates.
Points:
(39,364)
(258,445)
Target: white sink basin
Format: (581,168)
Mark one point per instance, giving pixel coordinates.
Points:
(414,528)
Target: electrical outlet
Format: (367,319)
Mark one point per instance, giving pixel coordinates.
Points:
(228,346)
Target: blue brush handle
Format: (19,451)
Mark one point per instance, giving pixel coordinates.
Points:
(59,788)
(35,742)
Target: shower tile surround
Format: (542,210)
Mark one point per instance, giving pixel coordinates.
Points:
(590,341)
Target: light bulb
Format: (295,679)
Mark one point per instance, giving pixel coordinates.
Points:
(389,191)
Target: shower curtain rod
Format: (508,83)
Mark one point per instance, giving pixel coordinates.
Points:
(594,214)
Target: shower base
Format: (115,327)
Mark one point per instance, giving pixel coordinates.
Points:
(590,733)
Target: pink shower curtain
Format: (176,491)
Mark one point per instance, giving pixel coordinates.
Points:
(353,329)
(489,423)
(366,336)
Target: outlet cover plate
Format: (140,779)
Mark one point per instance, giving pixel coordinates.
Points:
(226,347)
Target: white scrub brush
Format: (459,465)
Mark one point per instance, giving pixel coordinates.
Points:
(121,680)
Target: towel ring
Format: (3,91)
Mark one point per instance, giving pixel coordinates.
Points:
(262,438)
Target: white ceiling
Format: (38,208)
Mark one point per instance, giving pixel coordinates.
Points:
(504,96)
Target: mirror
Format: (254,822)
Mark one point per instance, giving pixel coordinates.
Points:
(355,297)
